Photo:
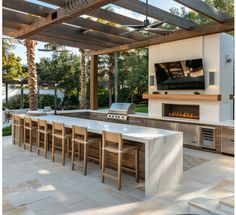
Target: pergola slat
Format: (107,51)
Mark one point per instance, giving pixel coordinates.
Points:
(108,37)
(156,13)
(91,33)
(60,15)
(18,18)
(52,39)
(113,17)
(55,2)
(103,14)
(86,23)
(35,9)
(206,29)
(65,31)
(27,7)
(205,9)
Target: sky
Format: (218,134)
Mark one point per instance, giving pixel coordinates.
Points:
(20,50)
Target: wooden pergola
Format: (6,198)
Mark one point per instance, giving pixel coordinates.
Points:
(64,22)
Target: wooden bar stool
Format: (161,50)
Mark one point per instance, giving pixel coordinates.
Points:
(29,129)
(59,132)
(17,128)
(81,136)
(113,143)
(44,132)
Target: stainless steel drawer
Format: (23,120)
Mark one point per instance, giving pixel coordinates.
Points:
(190,134)
(227,140)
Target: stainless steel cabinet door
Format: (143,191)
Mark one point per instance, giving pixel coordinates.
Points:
(190,133)
(227,140)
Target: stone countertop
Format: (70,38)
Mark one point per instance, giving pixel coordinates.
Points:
(130,132)
(227,123)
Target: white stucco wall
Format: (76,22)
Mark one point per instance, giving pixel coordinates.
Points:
(212,49)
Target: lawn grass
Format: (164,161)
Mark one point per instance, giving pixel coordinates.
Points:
(142,108)
(6,131)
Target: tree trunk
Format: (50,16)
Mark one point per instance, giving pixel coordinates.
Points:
(83,81)
(111,76)
(32,74)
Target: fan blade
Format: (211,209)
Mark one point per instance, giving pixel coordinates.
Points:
(61,51)
(128,32)
(82,30)
(135,26)
(156,24)
(45,50)
(159,31)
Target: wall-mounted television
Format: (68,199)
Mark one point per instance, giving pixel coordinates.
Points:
(180,75)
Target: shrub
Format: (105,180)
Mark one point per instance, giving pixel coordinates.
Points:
(124,95)
(48,100)
(44,100)
(70,102)
(6,131)
(103,97)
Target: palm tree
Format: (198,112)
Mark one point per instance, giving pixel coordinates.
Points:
(83,80)
(7,45)
(32,74)
(111,76)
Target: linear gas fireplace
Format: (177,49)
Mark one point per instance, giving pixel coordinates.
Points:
(181,111)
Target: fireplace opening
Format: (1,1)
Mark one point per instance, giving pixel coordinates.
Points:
(181,111)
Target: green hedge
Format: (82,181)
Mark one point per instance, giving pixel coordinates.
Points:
(44,100)
(6,131)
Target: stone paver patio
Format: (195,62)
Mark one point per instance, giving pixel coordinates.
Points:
(34,185)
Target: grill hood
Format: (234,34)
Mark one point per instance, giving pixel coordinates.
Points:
(121,110)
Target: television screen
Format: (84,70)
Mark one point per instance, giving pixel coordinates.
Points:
(181,75)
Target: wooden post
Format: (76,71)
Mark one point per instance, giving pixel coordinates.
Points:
(55,99)
(116,77)
(21,96)
(6,94)
(94,82)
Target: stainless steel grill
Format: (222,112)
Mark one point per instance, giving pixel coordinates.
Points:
(120,111)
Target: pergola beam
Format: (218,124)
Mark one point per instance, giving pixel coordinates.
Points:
(206,29)
(205,9)
(60,15)
(156,13)
(94,82)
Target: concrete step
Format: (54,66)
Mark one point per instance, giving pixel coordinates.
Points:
(219,211)
(227,204)
(203,206)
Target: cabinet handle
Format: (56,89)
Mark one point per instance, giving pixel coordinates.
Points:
(232,141)
(193,141)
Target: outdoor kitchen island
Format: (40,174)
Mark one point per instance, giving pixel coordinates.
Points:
(163,149)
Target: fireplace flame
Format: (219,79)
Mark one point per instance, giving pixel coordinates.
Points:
(183,115)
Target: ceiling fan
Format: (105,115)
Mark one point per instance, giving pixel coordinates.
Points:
(147,26)
(53,47)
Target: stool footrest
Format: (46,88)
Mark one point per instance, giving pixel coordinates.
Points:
(93,158)
(110,176)
(128,169)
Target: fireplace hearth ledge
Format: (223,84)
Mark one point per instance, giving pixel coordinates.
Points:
(229,123)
